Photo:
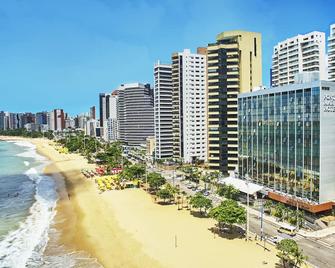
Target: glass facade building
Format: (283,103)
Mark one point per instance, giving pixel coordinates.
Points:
(287,140)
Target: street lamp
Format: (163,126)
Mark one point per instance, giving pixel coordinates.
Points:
(247,183)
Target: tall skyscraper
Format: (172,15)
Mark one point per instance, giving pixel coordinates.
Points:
(104,107)
(92,112)
(234,66)
(135,113)
(163,110)
(331,54)
(56,120)
(301,53)
(2,120)
(189,106)
(41,118)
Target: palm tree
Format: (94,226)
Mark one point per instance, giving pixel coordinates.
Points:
(299,258)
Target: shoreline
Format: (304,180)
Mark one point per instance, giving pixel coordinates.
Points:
(119,231)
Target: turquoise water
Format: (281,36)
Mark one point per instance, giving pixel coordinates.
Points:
(17,190)
(27,209)
(27,202)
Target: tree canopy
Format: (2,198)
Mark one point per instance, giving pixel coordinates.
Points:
(290,254)
(201,202)
(156,180)
(228,191)
(229,212)
(164,194)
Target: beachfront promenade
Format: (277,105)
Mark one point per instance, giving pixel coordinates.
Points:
(319,246)
(128,229)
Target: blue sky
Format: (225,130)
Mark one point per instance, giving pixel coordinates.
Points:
(62,53)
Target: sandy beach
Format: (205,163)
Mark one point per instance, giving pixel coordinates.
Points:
(128,229)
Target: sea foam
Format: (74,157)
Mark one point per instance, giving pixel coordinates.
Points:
(24,246)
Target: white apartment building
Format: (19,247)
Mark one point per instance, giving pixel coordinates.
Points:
(331,54)
(301,53)
(163,110)
(108,115)
(189,106)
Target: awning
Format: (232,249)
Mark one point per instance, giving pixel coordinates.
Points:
(242,185)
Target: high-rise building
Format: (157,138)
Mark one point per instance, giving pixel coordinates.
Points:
(92,112)
(331,54)
(41,118)
(104,107)
(287,143)
(163,110)
(135,113)
(234,66)
(2,120)
(189,106)
(13,121)
(56,120)
(301,53)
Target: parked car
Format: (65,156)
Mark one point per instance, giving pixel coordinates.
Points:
(275,239)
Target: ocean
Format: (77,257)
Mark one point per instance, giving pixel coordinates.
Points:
(28,201)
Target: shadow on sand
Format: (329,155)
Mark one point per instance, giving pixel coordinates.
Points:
(228,233)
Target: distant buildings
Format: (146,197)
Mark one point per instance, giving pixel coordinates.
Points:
(56,120)
(92,112)
(163,110)
(41,118)
(189,106)
(331,54)
(287,143)
(301,53)
(135,113)
(234,66)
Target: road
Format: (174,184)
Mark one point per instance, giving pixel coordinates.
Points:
(320,252)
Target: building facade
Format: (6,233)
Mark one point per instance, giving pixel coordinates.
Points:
(163,110)
(301,53)
(331,54)
(234,66)
(287,142)
(189,100)
(135,113)
(56,120)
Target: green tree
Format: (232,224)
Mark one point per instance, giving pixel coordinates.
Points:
(229,212)
(201,202)
(228,191)
(287,249)
(156,180)
(299,258)
(164,194)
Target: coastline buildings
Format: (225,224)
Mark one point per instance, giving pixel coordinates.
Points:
(331,54)
(92,112)
(301,53)
(189,106)
(287,143)
(234,66)
(56,120)
(163,110)
(108,115)
(135,113)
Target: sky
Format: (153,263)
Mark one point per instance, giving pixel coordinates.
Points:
(63,53)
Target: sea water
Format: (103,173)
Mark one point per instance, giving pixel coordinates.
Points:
(27,205)
(27,208)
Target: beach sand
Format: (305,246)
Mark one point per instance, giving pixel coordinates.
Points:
(128,229)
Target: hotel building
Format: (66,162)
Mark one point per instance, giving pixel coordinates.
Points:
(163,110)
(234,66)
(287,143)
(135,113)
(331,54)
(56,120)
(189,105)
(301,53)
